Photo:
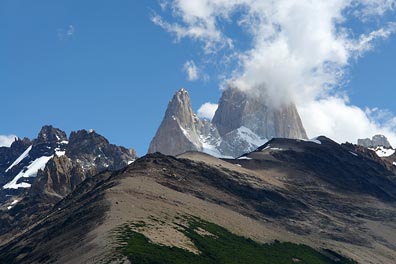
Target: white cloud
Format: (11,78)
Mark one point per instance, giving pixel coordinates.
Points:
(336,118)
(66,33)
(191,70)
(6,140)
(300,51)
(207,110)
(70,31)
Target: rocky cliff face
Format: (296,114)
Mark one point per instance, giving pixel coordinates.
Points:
(375,141)
(179,130)
(240,125)
(237,109)
(60,176)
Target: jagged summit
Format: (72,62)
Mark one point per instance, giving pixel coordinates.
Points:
(180,107)
(237,108)
(375,141)
(50,134)
(241,124)
(178,129)
(380,145)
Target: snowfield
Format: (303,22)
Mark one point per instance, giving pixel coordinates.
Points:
(20,158)
(383,152)
(30,171)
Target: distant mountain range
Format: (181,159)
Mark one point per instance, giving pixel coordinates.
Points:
(273,196)
(36,174)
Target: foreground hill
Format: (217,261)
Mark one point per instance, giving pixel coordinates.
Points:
(331,203)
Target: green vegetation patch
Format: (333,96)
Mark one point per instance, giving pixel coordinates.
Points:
(217,245)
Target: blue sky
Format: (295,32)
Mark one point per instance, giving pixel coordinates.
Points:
(105,65)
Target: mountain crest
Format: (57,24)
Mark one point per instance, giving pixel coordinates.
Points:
(179,130)
(49,134)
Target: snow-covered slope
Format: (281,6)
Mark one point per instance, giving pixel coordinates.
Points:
(383,152)
(240,141)
(50,142)
(20,158)
(29,171)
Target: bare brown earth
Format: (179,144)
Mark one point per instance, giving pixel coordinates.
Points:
(319,195)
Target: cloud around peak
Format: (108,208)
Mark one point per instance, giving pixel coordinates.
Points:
(6,140)
(299,50)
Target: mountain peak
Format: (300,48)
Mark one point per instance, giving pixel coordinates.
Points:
(83,134)
(177,131)
(179,108)
(241,124)
(375,141)
(237,108)
(182,91)
(50,134)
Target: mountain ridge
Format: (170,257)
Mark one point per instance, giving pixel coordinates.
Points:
(287,190)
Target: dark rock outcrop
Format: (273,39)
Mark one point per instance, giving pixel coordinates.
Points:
(49,134)
(90,149)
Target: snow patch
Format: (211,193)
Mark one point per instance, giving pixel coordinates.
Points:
(277,149)
(20,158)
(394,163)
(313,140)
(244,158)
(213,151)
(267,147)
(354,154)
(210,146)
(60,153)
(383,152)
(30,171)
(11,205)
(249,136)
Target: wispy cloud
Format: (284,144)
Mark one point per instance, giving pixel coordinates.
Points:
(6,140)
(299,50)
(191,70)
(66,33)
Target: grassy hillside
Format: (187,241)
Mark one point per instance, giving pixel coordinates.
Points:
(217,245)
